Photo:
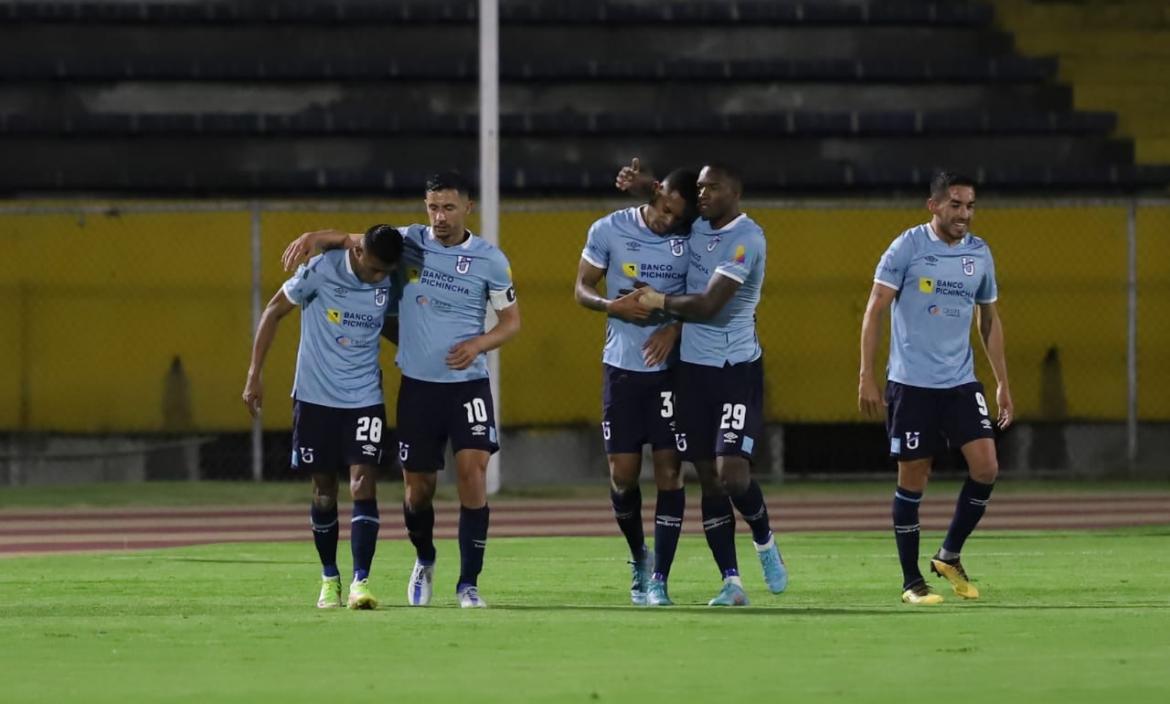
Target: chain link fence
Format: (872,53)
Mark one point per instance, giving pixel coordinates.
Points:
(127,330)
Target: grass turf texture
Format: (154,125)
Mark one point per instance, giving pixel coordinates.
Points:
(1066,617)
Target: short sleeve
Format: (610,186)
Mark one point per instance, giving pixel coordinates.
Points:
(988,288)
(891,270)
(596,250)
(302,287)
(746,256)
(501,292)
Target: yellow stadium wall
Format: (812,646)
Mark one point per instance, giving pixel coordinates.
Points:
(96,307)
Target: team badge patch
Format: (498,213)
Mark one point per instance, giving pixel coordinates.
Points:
(380,296)
(678,247)
(969,266)
(740,254)
(713,243)
(463,264)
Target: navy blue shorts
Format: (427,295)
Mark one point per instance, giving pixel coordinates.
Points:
(721,409)
(921,422)
(430,413)
(327,440)
(637,408)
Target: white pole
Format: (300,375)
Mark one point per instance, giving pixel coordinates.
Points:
(1131,425)
(489,174)
(257,423)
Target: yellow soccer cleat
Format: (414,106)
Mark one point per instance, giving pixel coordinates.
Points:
(330,597)
(360,596)
(920,594)
(954,573)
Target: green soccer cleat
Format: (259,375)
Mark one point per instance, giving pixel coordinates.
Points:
(330,596)
(360,597)
(731,594)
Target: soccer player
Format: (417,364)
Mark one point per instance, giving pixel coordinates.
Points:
(936,276)
(720,378)
(450,276)
(642,245)
(338,410)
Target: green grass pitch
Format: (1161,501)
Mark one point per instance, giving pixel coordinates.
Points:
(1066,617)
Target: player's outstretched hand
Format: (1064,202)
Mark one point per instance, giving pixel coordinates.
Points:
(253,395)
(627,307)
(869,399)
(463,354)
(1003,401)
(660,344)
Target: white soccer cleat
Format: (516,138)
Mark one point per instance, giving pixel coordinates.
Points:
(420,587)
(468,596)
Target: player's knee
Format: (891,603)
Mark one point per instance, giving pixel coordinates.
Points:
(324,502)
(985,473)
(362,487)
(735,483)
(418,497)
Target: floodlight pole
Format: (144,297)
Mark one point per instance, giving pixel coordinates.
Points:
(489,175)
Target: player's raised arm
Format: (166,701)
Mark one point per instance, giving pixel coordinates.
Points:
(277,308)
(304,246)
(869,396)
(991,332)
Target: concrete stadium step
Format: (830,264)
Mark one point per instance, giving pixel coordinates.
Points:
(1085,15)
(1094,42)
(1142,71)
(1153,150)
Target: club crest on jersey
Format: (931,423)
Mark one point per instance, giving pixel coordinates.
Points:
(380,296)
(713,243)
(969,266)
(463,264)
(678,247)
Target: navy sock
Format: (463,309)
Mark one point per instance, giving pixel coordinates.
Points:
(668,518)
(906,533)
(473,530)
(420,527)
(363,536)
(969,509)
(719,527)
(627,510)
(325,531)
(751,506)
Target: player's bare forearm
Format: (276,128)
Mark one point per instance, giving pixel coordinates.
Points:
(699,306)
(276,309)
(506,327)
(880,298)
(991,332)
(585,291)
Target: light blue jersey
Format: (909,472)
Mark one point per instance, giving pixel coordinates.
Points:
(629,251)
(445,297)
(938,286)
(341,321)
(738,251)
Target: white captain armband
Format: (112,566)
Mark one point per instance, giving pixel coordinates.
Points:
(503,299)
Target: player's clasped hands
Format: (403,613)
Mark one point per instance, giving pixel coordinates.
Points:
(628,308)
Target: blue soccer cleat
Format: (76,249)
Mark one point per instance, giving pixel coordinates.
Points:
(731,594)
(775,573)
(640,572)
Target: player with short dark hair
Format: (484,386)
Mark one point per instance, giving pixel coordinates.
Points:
(937,277)
(448,279)
(642,245)
(720,378)
(338,410)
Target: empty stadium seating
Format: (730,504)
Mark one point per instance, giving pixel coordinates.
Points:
(355,96)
